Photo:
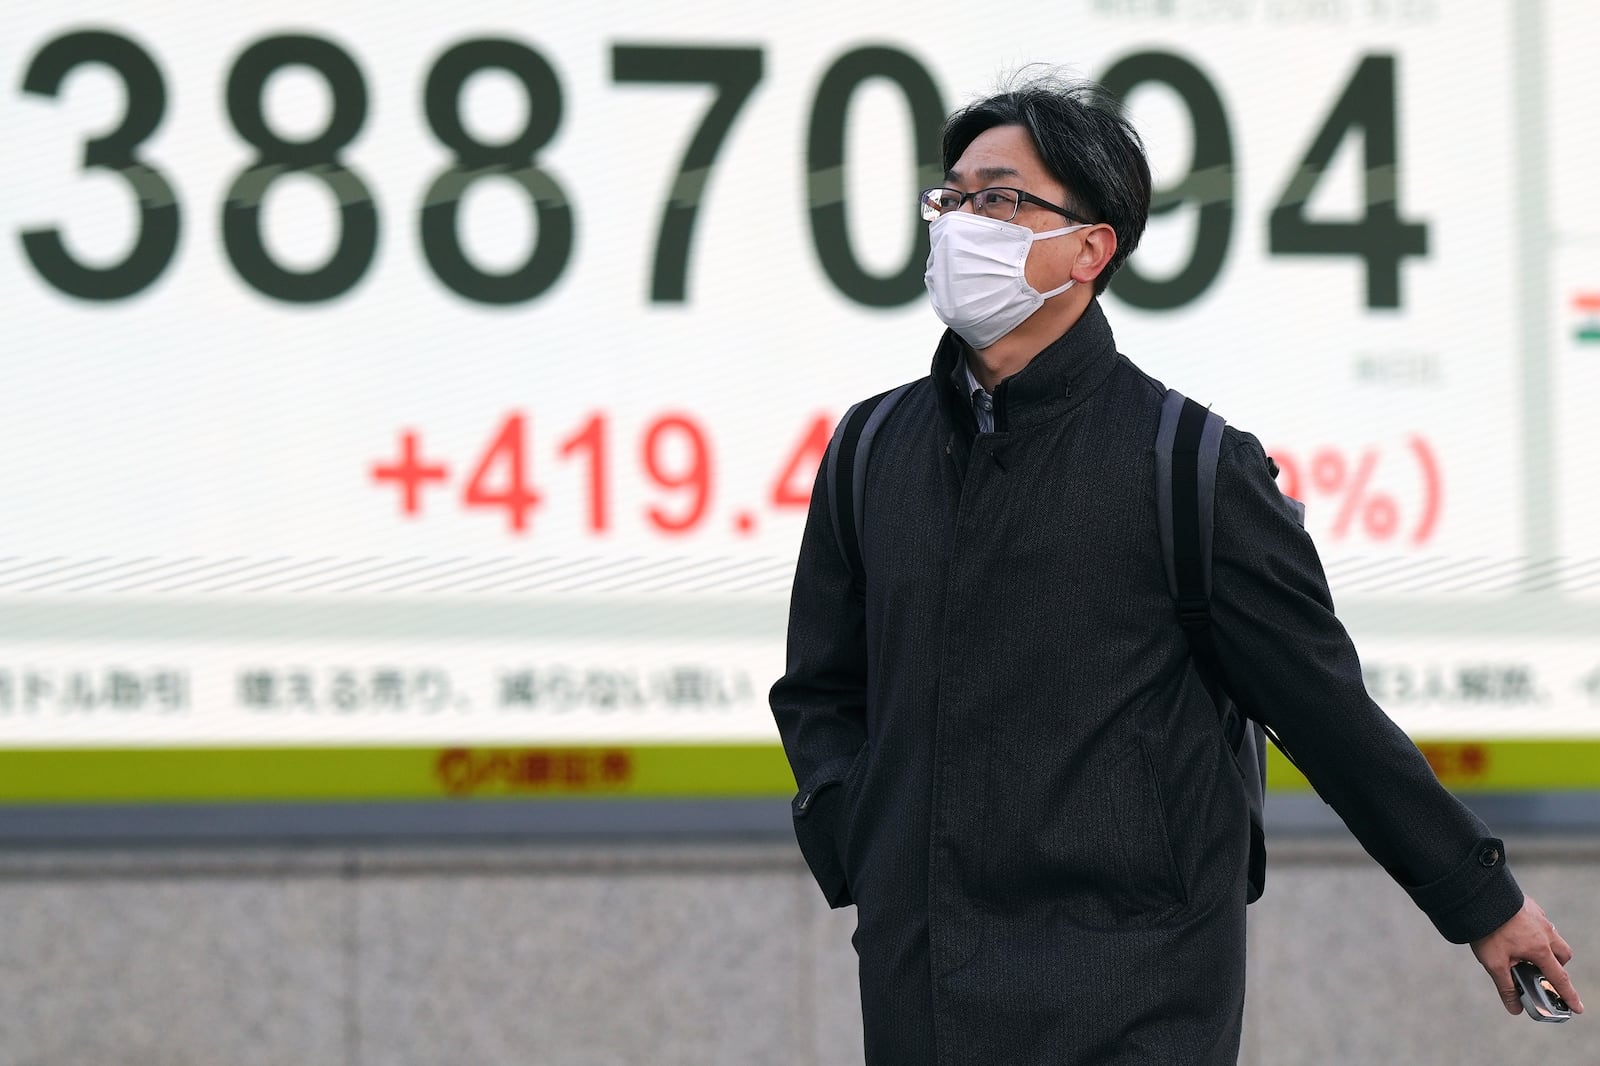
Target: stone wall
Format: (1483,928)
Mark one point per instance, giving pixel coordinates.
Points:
(693,953)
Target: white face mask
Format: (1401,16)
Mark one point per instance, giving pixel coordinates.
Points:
(975,274)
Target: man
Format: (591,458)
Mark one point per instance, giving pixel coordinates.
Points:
(1007,759)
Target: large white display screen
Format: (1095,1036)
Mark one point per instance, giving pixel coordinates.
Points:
(437,389)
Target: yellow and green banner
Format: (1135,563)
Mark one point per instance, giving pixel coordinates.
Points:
(664,771)
(1485,766)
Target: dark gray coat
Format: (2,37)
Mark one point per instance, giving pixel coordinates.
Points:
(1008,762)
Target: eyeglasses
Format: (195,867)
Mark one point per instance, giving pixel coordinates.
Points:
(998,202)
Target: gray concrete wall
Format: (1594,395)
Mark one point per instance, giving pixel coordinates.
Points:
(681,953)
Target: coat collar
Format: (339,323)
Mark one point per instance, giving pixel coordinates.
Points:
(1053,382)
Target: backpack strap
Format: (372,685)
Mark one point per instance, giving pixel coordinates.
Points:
(1188,445)
(847,471)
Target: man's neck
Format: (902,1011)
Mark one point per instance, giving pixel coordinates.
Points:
(1009,354)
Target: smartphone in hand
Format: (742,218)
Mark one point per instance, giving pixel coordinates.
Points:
(1539,997)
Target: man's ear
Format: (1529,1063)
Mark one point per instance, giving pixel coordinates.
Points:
(1099,245)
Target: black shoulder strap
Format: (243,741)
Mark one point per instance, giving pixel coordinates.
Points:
(847,470)
(1188,445)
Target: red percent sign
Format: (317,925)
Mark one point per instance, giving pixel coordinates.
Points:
(1380,513)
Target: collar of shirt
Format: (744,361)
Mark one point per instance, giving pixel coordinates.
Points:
(982,400)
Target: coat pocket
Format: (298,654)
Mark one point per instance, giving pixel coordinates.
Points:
(1152,884)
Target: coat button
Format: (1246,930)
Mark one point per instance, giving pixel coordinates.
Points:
(1489,857)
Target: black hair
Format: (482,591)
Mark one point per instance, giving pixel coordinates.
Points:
(1087,144)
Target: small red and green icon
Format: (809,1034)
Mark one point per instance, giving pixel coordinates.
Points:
(1586,305)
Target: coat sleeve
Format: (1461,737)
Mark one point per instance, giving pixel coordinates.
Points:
(1289,663)
(820,702)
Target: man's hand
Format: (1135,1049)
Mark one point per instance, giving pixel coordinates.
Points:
(1527,937)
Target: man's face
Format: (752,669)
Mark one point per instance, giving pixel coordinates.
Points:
(1005,155)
